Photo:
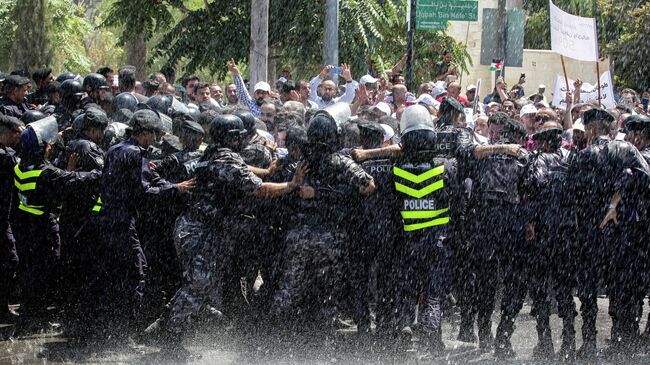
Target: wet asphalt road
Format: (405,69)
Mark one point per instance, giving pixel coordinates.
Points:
(226,346)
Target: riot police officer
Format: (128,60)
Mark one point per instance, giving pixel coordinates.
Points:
(95,86)
(497,238)
(430,213)
(550,229)
(14,102)
(315,251)
(127,185)
(41,187)
(223,181)
(75,215)
(71,94)
(179,166)
(10,131)
(604,177)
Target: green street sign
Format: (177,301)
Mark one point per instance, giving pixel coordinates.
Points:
(434,14)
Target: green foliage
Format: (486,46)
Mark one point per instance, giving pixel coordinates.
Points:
(7,35)
(74,43)
(632,49)
(67,33)
(372,34)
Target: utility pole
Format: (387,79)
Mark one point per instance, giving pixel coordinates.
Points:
(409,50)
(501,35)
(331,46)
(259,53)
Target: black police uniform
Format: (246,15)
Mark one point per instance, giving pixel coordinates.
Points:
(497,242)
(127,185)
(223,180)
(8,254)
(553,256)
(41,187)
(373,250)
(599,171)
(77,233)
(38,97)
(314,258)
(10,108)
(64,116)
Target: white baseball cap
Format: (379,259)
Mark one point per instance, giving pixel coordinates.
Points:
(527,109)
(438,90)
(578,126)
(263,86)
(383,107)
(427,99)
(542,86)
(367,79)
(471,87)
(388,131)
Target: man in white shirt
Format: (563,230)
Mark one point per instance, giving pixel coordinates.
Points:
(328,87)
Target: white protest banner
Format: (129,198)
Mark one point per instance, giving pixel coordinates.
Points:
(573,36)
(588,92)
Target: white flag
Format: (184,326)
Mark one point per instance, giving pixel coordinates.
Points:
(573,36)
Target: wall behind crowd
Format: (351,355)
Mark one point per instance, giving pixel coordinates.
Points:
(540,66)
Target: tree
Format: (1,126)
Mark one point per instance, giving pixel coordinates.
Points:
(30,42)
(72,42)
(372,33)
(632,50)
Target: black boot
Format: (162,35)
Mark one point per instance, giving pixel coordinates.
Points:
(502,345)
(567,351)
(544,348)
(485,339)
(466,331)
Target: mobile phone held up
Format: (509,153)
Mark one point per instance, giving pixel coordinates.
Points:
(336,71)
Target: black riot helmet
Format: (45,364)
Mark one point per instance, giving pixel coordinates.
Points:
(32,116)
(450,108)
(323,129)
(71,88)
(552,135)
(161,103)
(63,76)
(94,82)
(248,119)
(228,131)
(125,101)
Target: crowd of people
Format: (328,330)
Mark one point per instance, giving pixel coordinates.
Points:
(139,208)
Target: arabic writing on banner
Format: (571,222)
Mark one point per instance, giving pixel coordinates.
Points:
(573,36)
(588,92)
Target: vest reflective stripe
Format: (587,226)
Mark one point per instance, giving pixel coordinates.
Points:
(23,186)
(31,208)
(422,192)
(98,205)
(435,222)
(27,174)
(412,218)
(419,178)
(422,214)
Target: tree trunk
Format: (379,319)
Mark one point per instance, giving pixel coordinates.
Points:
(30,47)
(136,55)
(259,50)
